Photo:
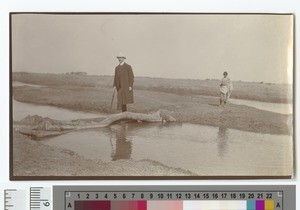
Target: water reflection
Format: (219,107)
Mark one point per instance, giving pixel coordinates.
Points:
(123,146)
(225,151)
(222,140)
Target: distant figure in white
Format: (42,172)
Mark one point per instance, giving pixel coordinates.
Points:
(226,88)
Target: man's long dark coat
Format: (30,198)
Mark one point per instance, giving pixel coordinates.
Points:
(124,79)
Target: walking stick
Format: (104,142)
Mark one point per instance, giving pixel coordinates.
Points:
(112,99)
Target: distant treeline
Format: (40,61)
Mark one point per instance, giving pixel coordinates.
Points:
(77,73)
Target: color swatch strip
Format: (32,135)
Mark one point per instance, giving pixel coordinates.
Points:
(175,205)
(260,205)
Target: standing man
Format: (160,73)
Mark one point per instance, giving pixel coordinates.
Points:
(123,82)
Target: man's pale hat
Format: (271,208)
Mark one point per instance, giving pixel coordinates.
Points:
(121,55)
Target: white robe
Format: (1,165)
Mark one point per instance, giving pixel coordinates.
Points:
(226,87)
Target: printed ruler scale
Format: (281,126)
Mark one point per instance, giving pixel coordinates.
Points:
(216,197)
(40,198)
(15,199)
(34,198)
(173,200)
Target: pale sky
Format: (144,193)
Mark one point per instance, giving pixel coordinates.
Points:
(195,46)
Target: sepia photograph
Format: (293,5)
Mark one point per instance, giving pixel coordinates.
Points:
(151,96)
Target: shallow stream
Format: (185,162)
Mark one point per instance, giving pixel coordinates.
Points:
(203,150)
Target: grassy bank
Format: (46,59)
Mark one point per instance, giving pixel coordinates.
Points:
(266,92)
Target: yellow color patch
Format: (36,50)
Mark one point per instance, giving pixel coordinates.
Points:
(269,204)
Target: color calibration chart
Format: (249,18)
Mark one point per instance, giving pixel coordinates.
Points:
(175,198)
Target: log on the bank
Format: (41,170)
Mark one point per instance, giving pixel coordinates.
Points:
(159,116)
(40,127)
